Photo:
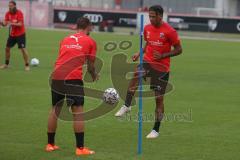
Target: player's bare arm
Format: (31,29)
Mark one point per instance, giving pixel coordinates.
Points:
(91,70)
(18,24)
(4,23)
(137,55)
(175,52)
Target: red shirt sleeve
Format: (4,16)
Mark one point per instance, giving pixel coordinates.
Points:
(92,51)
(7,16)
(174,38)
(20,17)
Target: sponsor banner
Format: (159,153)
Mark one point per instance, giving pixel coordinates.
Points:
(120,19)
(223,25)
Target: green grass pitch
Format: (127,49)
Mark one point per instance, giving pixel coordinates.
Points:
(206,90)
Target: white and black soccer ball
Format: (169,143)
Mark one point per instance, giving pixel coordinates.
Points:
(110,96)
(34,62)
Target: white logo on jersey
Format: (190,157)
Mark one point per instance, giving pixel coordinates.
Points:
(162,35)
(156,43)
(73,37)
(148,34)
(73,46)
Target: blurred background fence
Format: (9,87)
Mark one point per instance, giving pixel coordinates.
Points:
(199,15)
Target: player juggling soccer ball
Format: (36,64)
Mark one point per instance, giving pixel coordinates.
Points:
(160,38)
(14,19)
(66,82)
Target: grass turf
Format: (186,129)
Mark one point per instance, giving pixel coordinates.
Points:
(206,89)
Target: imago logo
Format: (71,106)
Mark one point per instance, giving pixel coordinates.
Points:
(94,18)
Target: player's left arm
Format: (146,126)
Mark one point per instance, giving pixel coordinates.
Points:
(5,22)
(90,61)
(177,47)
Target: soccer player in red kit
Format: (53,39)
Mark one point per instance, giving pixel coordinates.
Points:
(14,18)
(160,37)
(66,82)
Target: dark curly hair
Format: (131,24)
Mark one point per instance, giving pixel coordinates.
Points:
(157,9)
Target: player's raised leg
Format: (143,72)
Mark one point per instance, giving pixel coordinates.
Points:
(133,86)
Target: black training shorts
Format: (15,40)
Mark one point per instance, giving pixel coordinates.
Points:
(72,90)
(20,40)
(158,79)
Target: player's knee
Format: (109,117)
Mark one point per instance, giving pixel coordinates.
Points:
(131,90)
(159,110)
(159,99)
(7,49)
(56,111)
(136,74)
(158,95)
(23,50)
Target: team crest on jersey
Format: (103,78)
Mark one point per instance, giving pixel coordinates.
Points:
(162,35)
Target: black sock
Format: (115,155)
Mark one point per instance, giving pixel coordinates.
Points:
(79,139)
(51,137)
(7,62)
(156,126)
(128,100)
(27,64)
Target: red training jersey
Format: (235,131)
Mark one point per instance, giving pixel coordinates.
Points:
(15,18)
(159,40)
(73,52)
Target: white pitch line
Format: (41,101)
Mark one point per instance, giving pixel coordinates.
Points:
(211,39)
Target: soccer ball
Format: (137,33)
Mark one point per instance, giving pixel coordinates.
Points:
(34,62)
(110,96)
